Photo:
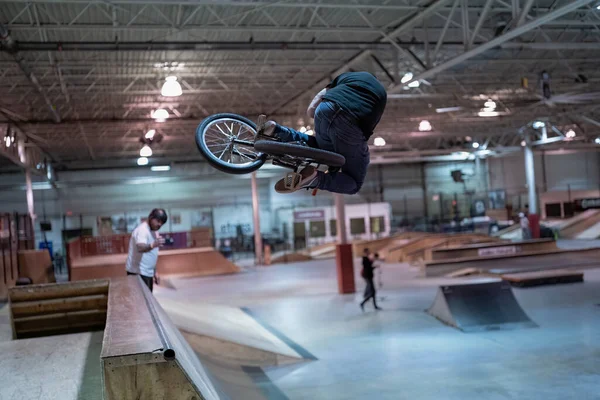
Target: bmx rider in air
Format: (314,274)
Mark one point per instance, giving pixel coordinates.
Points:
(346,112)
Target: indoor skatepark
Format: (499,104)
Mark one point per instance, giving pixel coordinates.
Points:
(149,248)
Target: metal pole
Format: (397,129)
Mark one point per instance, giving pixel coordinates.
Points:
(530,177)
(534,218)
(340,213)
(30,205)
(256,214)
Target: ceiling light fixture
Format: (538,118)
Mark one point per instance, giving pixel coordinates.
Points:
(379,141)
(485,113)
(160,115)
(475,145)
(414,84)
(570,134)
(146,151)
(142,161)
(150,134)
(171,88)
(538,124)
(407,77)
(523,143)
(490,104)
(160,168)
(425,126)
(597,141)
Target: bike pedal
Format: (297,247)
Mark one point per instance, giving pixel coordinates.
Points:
(262,118)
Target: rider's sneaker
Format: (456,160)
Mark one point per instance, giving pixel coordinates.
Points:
(294,181)
(265,128)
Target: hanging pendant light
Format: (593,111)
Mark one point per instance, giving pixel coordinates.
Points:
(160,115)
(142,161)
(146,151)
(171,88)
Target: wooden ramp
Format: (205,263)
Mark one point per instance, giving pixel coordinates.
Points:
(573,227)
(59,308)
(418,249)
(285,257)
(489,249)
(358,247)
(537,278)
(524,262)
(195,261)
(229,334)
(143,355)
(591,233)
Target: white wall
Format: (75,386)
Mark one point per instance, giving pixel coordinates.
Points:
(353,211)
(188,188)
(579,171)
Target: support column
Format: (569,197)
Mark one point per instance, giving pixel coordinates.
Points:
(425,196)
(343,251)
(534,219)
(30,205)
(258,256)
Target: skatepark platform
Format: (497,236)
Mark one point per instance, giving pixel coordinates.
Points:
(534,261)
(479,307)
(400,349)
(419,248)
(195,261)
(491,249)
(537,278)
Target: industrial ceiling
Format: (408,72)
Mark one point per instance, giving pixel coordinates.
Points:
(80,79)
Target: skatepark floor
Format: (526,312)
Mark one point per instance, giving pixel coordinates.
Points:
(397,353)
(404,353)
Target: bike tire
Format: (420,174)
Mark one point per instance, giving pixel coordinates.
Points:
(311,154)
(221,165)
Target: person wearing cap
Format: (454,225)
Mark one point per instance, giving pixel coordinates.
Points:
(524,222)
(143,247)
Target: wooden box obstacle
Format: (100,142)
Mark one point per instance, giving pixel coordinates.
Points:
(60,308)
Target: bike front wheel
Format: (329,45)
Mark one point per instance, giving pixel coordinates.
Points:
(226,141)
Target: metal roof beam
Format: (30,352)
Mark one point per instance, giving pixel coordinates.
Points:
(407,24)
(498,41)
(11,46)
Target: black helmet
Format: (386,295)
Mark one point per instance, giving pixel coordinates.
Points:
(159,214)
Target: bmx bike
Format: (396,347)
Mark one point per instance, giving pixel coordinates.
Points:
(230,144)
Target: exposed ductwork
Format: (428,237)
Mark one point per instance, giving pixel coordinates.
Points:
(10,46)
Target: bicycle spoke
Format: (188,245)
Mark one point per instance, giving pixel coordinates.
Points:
(221,130)
(223,137)
(222,154)
(239,153)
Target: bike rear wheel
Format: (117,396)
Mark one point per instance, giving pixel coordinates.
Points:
(304,153)
(226,142)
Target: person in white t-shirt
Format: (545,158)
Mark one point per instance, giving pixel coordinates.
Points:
(524,221)
(143,247)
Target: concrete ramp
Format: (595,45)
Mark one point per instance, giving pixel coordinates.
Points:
(571,228)
(477,307)
(242,382)
(591,233)
(231,335)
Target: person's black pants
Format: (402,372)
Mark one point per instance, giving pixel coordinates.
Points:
(148,280)
(369,292)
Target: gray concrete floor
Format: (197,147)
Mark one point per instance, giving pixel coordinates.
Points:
(402,352)
(398,353)
(61,367)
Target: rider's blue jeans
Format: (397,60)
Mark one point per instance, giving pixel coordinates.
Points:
(336,131)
